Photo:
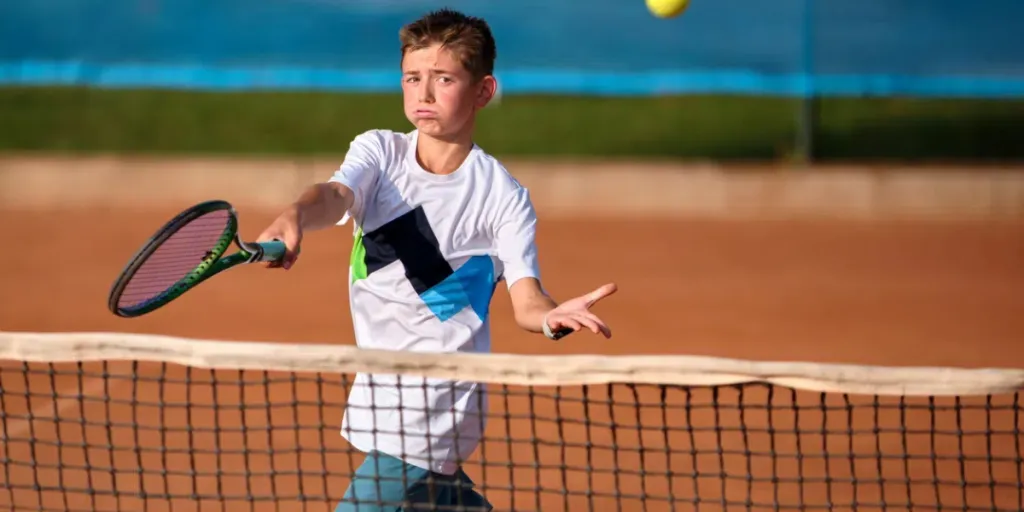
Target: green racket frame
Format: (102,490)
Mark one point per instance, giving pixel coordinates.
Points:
(212,264)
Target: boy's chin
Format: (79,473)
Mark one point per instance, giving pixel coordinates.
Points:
(430,127)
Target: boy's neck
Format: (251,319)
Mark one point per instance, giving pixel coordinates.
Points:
(439,156)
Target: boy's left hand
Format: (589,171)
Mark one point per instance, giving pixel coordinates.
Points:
(575,313)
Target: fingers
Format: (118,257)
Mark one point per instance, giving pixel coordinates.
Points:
(291,242)
(601,293)
(573,314)
(594,324)
(284,229)
(589,323)
(602,328)
(577,321)
(564,321)
(290,256)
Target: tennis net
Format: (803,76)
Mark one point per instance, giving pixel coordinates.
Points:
(107,421)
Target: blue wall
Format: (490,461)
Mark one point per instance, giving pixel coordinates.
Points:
(613,47)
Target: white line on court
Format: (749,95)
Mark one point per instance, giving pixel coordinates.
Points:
(91,387)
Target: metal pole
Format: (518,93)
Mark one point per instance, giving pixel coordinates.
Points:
(807,114)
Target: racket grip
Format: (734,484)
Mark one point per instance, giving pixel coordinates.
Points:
(272,251)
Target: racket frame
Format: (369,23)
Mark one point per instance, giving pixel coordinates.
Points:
(212,263)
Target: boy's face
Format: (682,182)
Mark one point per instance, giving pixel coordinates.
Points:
(441,97)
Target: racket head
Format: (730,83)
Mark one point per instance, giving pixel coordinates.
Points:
(174,259)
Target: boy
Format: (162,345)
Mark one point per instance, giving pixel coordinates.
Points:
(438,222)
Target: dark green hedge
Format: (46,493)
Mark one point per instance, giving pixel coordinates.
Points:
(713,127)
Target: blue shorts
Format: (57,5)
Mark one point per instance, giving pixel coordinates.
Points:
(385,483)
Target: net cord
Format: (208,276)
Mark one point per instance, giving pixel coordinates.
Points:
(511,369)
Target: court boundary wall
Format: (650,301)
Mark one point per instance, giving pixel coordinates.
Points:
(514,81)
(559,188)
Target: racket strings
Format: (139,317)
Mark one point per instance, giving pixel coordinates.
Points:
(175,258)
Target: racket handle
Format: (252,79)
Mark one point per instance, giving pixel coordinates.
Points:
(272,251)
(561,333)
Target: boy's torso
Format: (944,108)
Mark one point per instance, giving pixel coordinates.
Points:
(424,249)
(424,267)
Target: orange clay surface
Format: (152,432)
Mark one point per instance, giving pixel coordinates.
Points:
(900,294)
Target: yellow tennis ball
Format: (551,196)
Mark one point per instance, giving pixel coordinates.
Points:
(667,8)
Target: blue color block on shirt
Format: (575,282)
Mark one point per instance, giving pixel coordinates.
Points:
(471,285)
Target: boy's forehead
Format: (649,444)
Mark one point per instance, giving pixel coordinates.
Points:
(433,57)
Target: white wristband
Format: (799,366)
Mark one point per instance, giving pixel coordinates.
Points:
(547,328)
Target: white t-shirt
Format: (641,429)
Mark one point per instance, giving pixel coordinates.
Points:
(428,253)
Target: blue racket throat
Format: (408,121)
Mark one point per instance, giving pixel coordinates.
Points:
(262,251)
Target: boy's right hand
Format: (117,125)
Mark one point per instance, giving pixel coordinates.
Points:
(287,229)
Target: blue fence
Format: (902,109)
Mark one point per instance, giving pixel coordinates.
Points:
(950,48)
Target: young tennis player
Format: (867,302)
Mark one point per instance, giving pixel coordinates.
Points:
(438,223)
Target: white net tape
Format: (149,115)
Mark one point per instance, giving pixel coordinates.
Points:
(527,370)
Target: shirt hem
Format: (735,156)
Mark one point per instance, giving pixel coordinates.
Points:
(446,467)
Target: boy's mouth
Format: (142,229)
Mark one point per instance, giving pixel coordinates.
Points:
(424,113)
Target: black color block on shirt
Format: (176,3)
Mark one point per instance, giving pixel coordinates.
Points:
(409,239)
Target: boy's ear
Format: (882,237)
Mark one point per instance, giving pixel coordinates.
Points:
(488,86)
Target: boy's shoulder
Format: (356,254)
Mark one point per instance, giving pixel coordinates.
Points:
(380,140)
(498,173)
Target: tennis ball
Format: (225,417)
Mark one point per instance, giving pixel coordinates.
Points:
(667,8)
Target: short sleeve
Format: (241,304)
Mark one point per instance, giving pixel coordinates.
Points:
(360,171)
(516,238)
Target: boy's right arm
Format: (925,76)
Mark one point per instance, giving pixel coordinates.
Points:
(319,207)
(326,204)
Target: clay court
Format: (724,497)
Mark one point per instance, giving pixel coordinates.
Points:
(822,291)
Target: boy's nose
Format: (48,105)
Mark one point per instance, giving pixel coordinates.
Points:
(426,93)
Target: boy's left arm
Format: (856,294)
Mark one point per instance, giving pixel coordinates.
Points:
(535,310)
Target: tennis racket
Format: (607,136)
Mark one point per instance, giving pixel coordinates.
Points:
(186,251)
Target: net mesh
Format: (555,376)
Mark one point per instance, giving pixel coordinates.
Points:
(104,422)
